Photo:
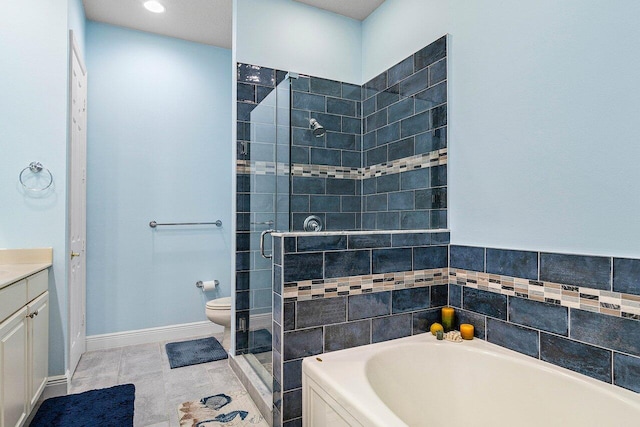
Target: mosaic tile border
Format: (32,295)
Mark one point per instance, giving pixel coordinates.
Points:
(355,285)
(325,171)
(261,168)
(595,300)
(420,161)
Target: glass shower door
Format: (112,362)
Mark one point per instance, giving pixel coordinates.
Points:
(268,152)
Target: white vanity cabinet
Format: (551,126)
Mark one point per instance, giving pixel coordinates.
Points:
(13,363)
(38,345)
(24,347)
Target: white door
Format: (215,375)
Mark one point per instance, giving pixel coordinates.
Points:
(77,206)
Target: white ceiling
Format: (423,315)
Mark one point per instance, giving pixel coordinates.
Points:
(356,9)
(202,21)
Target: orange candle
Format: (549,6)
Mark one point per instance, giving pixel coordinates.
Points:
(466,331)
(447,318)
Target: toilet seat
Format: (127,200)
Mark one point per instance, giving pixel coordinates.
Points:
(219,304)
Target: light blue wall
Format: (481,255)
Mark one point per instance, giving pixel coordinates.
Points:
(33,127)
(159,146)
(77,22)
(398,28)
(544,98)
(292,36)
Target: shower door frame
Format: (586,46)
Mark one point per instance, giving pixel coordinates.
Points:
(262,170)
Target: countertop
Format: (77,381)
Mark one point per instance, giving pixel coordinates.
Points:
(16,264)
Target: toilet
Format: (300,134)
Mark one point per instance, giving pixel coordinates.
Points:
(219,312)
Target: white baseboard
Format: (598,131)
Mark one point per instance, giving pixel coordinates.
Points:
(56,386)
(150,335)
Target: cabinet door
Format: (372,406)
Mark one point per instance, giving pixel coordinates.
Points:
(38,326)
(13,370)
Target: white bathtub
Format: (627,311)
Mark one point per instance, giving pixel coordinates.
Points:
(419,381)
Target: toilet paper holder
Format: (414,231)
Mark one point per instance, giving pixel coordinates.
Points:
(200,284)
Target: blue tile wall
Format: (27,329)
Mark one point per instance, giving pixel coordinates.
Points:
(292,404)
(477,320)
(321,243)
(303,266)
(347,335)
(411,299)
(337,107)
(369,305)
(606,331)
(539,315)
(585,359)
(484,302)
(430,54)
(455,295)
(292,374)
(321,312)
(347,263)
(289,316)
(626,275)
(439,295)
(313,326)
(626,371)
(391,327)
(513,337)
(369,241)
(600,345)
(466,258)
(422,320)
(580,270)
(403,109)
(513,263)
(425,258)
(391,260)
(302,343)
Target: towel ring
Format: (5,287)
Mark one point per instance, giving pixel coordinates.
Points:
(35,167)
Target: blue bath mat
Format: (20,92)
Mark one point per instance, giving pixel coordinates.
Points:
(186,353)
(104,407)
(260,341)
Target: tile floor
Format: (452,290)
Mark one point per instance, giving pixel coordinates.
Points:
(159,389)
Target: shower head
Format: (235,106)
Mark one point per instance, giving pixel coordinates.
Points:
(317,128)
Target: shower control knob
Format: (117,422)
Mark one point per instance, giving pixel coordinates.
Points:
(312,223)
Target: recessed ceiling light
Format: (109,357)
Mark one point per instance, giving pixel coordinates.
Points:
(154,6)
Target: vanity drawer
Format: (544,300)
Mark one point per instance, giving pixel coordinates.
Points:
(37,284)
(12,299)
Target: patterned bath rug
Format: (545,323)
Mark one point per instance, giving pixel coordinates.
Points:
(186,353)
(233,409)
